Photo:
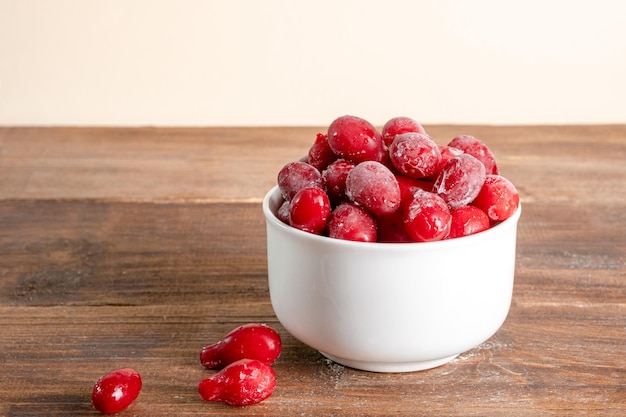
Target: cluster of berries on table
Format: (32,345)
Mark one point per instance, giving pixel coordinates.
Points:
(395,185)
(244,376)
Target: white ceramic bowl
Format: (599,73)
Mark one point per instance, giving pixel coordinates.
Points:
(389,307)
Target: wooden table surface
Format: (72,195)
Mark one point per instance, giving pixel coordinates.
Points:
(135,247)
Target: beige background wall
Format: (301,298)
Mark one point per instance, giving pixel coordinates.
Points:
(272,62)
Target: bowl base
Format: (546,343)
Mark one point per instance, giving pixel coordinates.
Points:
(390,367)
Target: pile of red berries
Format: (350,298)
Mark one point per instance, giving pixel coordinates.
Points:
(397,185)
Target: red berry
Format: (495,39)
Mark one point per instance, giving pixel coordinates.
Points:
(498,198)
(415,155)
(408,186)
(245,382)
(309,210)
(320,155)
(467,220)
(427,218)
(373,186)
(390,228)
(350,222)
(447,153)
(334,177)
(478,149)
(115,391)
(460,180)
(250,341)
(355,139)
(397,126)
(283,212)
(295,176)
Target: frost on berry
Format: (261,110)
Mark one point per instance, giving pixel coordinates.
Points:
(398,126)
(427,218)
(415,155)
(373,186)
(460,180)
(351,222)
(295,176)
(478,149)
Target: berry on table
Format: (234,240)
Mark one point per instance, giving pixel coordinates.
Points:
(115,391)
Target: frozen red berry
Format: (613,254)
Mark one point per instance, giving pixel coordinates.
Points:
(320,155)
(427,218)
(467,220)
(460,180)
(250,341)
(116,390)
(478,149)
(447,153)
(390,228)
(398,126)
(373,186)
(309,210)
(335,176)
(283,212)
(415,155)
(355,139)
(244,382)
(351,222)
(498,198)
(295,176)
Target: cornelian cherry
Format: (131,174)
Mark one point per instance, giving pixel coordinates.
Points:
(116,390)
(427,217)
(355,139)
(467,220)
(498,198)
(250,341)
(350,222)
(295,176)
(244,382)
(398,126)
(373,186)
(309,210)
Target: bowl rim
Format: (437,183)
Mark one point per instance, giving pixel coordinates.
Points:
(270,215)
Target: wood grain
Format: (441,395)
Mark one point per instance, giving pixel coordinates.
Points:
(136,247)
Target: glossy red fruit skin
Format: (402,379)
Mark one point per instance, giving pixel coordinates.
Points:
(297,175)
(373,186)
(244,382)
(478,149)
(398,126)
(467,220)
(334,177)
(116,390)
(320,154)
(415,155)
(250,341)
(309,210)
(498,197)
(427,218)
(390,228)
(355,140)
(350,222)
